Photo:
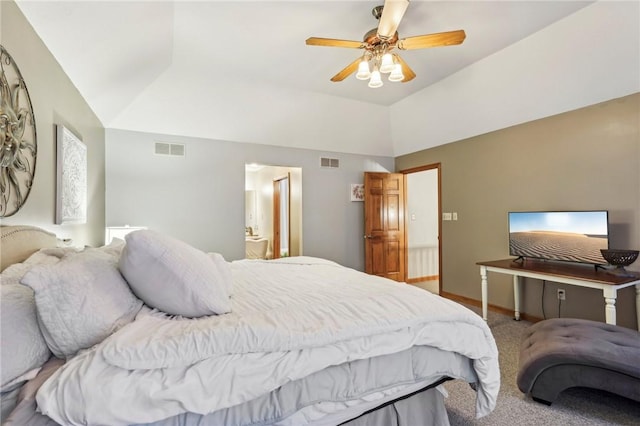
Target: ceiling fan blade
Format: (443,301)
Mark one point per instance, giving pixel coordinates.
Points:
(346,71)
(392,14)
(406,70)
(332,42)
(432,40)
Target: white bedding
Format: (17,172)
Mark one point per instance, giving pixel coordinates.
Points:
(289,319)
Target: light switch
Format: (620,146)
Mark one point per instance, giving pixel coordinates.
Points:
(413,216)
(454,215)
(446,216)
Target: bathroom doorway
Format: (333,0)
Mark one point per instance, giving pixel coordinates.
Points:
(263,239)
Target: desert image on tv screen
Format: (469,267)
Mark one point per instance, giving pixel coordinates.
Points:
(566,236)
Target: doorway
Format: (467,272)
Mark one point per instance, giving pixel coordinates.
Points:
(423,227)
(259,210)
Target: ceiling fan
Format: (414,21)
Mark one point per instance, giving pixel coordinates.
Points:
(379,42)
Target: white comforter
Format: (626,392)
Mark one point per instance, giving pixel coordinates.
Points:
(289,319)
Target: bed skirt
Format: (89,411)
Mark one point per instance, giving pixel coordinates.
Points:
(424,406)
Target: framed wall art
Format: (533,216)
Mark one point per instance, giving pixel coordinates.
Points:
(71,199)
(357,192)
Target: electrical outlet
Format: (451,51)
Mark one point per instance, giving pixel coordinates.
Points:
(561,294)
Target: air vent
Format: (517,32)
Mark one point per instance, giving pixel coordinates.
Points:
(177,149)
(332,163)
(174,149)
(163,148)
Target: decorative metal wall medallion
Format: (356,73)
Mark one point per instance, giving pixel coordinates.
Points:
(17,137)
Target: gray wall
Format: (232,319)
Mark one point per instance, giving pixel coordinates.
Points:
(200,199)
(586,159)
(55,101)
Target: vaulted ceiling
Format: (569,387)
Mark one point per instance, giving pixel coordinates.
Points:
(138,63)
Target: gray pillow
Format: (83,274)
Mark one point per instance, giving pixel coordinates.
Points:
(81,300)
(22,346)
(172,276)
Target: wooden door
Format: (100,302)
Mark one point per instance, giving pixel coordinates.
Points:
(276,219)
(384,225)
(281,215)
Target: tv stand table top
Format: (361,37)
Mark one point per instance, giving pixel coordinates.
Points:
(563,269)
(562,272)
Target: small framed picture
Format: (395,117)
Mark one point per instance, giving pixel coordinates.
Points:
(357,192)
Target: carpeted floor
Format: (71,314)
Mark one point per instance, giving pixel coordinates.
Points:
(573,407)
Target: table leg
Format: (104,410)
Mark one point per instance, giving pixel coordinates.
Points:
(638,305)
(516,297)
(483,278)
(610,305)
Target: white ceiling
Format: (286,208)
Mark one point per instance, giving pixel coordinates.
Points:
(114,52)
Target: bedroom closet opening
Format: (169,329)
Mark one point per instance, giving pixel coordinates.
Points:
(273,211)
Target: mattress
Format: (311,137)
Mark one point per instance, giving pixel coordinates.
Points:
(289,321)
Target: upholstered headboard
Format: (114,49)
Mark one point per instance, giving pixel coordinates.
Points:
(21,241)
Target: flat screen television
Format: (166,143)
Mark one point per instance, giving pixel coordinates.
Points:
(572,236)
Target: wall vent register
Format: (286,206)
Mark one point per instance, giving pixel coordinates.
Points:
(332,163)
(174,149)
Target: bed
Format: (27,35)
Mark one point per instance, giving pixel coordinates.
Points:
(92,337)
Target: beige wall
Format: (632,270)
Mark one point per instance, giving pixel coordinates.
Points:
(55,101)
(581,160)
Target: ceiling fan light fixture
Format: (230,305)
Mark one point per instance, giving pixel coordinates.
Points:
(386,66)
(363,70)
(377,44)
(396,74)
(376,80)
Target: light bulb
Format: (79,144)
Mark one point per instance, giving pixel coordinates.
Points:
(386,66)
(363,70)
(375,81)
(396,74)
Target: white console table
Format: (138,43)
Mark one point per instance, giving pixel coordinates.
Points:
(573,274)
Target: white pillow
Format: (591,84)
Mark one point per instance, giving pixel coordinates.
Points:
(225,270)
(22,348)
(172,276)
(14,273)
(80,301)
(114,248)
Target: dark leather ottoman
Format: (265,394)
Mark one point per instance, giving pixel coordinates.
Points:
(561,353)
